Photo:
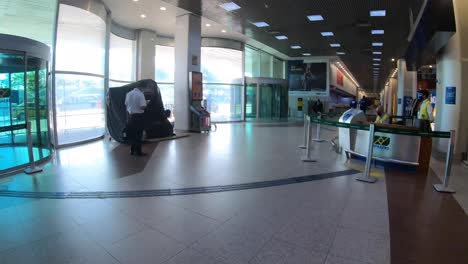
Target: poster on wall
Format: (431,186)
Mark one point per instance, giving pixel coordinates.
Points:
(307,79)
(339,78)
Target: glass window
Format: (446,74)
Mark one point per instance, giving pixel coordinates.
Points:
(80,41)
(266,65)
(80,107)
(252,62)
(165,64)
(29,19)
(220,65)
(222,77)
(122,59)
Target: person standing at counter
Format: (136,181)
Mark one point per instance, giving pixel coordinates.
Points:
(382,117)
(425,116)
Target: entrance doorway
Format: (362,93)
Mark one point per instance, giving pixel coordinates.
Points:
(266,99)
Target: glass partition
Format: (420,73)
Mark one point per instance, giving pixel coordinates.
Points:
(165,67)
(122,59)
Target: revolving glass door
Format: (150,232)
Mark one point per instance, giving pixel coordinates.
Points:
(266,99)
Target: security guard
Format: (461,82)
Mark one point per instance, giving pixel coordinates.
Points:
(382,117)
(135,103)
(425,116)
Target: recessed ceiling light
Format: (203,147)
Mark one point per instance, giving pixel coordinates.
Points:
(340,53)
(378,32)
(335,45)
(208,25)
(327,34)
(430,66)
(376,64)
(377,52)
(162,8)
(306,54)
(143,16)
(393,59)
(377,59)
(135,0)
(315,17)
(224,31)
(231,6)
(377,44)
(378,13)
(281,37)
(295,47)
(261,24)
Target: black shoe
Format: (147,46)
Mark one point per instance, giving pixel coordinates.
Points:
(141,154)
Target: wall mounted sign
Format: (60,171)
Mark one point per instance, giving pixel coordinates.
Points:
(450,95)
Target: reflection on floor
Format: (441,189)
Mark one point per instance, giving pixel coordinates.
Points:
(327,221)
(14,156)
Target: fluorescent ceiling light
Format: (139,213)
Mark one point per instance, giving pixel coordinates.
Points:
(378,32)
(162,8)
(378,13)
(340,53)
(306,54)
(261,24)
(315,17)
(295,47)
(281,37)
(377,52)
(231,6)
(377,64)
(376,59)
(327,34)
(377,44)
(335,45)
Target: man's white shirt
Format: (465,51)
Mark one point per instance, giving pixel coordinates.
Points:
(135,102)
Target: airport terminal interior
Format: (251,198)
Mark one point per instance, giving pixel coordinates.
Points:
(308,132)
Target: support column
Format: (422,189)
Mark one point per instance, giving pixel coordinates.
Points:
(187,59)
(407,85)
(146,52)
(452,71)
(391,98)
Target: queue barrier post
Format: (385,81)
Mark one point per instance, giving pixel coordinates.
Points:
(307,157)
(444,187)
(318,139)
(32,166)
(304,144)
(365,176)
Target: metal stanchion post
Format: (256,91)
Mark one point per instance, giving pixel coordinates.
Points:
(448,167)
(307,158)
(32,166)
(365,177)
(317,139)
(304,145)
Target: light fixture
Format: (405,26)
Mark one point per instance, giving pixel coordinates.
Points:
(135,0)
(162,8)
(208,25)
(376,59)
(393,59)
(224,31)
(306,54)
(377,44)
(315,17)
(378,13)
(341,53)
(377,64)
(261,24)
(327,34)
(430,66)
(231,6)
(143,16)
(295,47)
(281,37)
(377,32)
(377,52)
(335,45)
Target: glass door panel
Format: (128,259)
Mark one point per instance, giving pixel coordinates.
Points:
(266,101)
(251,101)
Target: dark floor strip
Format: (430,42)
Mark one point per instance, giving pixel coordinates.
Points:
(425,226)
(172,192)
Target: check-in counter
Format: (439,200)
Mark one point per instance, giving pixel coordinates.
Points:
(388,147)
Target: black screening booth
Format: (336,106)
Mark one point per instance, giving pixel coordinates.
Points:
(156,123)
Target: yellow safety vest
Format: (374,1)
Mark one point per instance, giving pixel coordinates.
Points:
(423,114)
(381,120)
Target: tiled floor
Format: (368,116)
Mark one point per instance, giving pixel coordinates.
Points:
(334,220)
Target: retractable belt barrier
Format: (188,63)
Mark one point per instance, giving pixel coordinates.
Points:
(372,128)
